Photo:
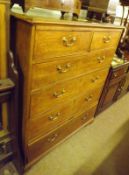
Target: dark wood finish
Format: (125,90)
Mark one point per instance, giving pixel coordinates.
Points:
(116,86)
(8,169)
(14,116)
(73,6)
(9,145)
(8,94)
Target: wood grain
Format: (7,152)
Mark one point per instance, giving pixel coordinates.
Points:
(43,100)
(50,44)
(62,113)
(70,67)
(43,144)
(62,77)
(105,39)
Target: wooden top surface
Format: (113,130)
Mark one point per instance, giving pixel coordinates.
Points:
(33,19)
(5,1)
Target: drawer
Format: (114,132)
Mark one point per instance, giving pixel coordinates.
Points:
(71,67)
(40,146)
(5,146)
(119,72)
(50,45)
(43,100)
(8,169)
(51,120)
(87,101)
(102,40)
(59,115)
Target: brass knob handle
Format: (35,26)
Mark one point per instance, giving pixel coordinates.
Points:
(106,39)
(101,59)
(68,42)
(115,74)
(89,98)
(65,69)
(120,89)
(60,94)
(94,80)
(53,138)
(54,117)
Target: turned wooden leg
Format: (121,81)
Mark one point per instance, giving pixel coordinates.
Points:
(75,16)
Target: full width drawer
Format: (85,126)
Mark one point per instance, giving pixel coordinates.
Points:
(43,100)
(40,146)
(103,40)
(47,73)
(49,45)
(61,114)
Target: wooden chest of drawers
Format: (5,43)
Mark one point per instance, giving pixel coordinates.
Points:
(64,66)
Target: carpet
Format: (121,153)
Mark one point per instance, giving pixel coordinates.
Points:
(101,148)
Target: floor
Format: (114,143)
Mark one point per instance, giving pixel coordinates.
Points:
(101,148)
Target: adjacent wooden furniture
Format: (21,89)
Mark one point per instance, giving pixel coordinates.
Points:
(10,153)
(72,6)
(9,146)
(101,10)
(63,65)
(117,84)
(4,46)
(6,154)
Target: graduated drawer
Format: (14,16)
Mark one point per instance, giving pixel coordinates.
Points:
(60,114)
(41,145)
(102,40)
(45,99)
(47,73)
(49,45)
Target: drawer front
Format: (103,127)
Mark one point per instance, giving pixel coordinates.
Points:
(61,114)
(49,45)
(102,40)
(5,146)
(119,73)
(45,99)
(69,68)
(50,120)
(43,144)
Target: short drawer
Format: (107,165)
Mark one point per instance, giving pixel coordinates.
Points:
(47,73)
(45,99)
(61,114)
(50,45)
(42,145)
(102,40)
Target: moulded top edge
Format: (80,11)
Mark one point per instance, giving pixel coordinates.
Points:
(40,20)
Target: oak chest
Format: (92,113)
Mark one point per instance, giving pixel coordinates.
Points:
(64,66)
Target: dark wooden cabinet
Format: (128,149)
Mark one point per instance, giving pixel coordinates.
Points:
(116,85)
